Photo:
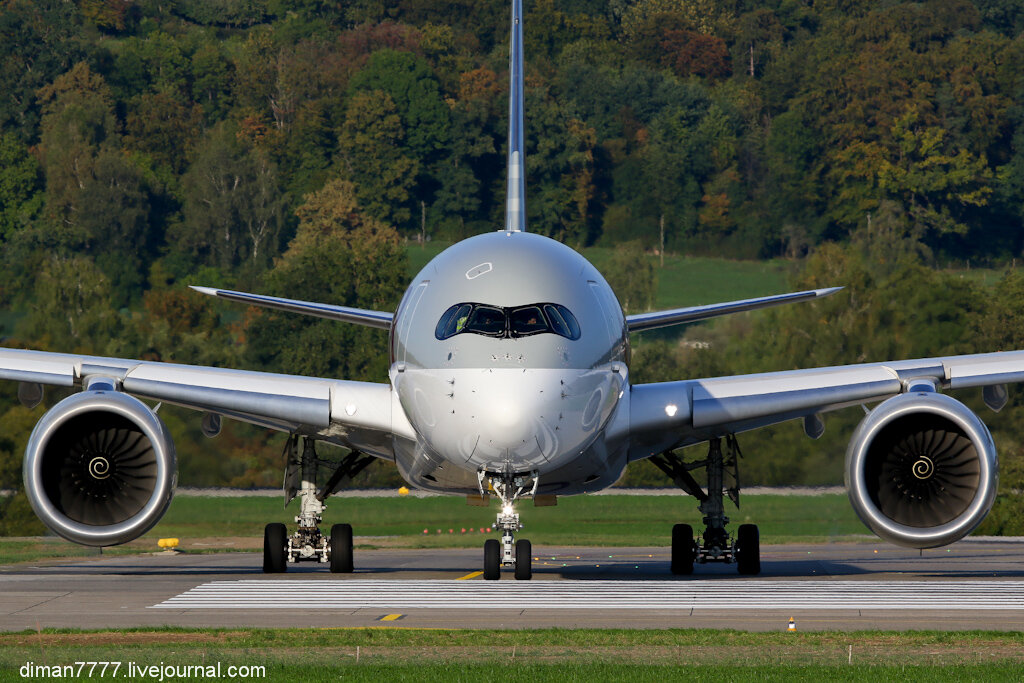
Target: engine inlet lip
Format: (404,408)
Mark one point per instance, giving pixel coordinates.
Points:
(125,406)
(899,407)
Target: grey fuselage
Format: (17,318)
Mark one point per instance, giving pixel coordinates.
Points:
(541,403)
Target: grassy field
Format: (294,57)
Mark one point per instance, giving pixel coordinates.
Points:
(543,654)
(632,521)
(576,520)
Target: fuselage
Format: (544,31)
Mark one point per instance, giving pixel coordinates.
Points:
(509,352)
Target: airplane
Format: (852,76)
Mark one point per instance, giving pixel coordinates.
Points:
(509,378)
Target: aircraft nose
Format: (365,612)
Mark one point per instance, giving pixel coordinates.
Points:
(537,417)
(511,417)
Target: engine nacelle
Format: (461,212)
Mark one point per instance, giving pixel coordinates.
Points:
(922,470)
(100,468)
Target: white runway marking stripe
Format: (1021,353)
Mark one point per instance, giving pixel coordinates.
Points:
(670,595)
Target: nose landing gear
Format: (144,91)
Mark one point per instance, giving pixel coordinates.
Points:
(716,544)
(509,552)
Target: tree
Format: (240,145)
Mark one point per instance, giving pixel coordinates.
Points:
(416,96)
(932,181)
(21,186)
(154,64)
(164,127)
(212,74)
(78,122)
(560,172)
(342,256)
(672,167)
(471,154)
(631,276)
(114,217)
(71,310)
(41,41)
(233,208)
(375,158)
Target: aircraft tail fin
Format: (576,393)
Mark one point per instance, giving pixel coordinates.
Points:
(515,202)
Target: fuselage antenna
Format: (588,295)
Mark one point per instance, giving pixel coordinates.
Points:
(515,202)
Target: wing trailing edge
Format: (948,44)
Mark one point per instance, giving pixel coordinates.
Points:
(679,316)
(379,319)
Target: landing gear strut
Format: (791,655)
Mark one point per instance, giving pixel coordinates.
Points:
(509,486)
(308,543)
(715,545)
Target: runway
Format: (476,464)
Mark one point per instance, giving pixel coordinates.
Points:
(970,585)
(602,595)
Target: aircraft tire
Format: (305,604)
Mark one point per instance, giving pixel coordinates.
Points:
(748,550)
(524,560)
(275,538)
(492,559)
(341,549)
(683,550)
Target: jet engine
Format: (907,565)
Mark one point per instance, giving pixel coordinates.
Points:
(922,470)
(100,468)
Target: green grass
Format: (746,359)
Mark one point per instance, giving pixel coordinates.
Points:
(420,255)
(693,280)
(291,668)
(986,277)
(545,654)
(13,550)
(611,521)
(577,520)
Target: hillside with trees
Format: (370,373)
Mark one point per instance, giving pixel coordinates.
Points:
(296,147)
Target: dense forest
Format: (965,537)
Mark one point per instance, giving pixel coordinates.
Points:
(296,147)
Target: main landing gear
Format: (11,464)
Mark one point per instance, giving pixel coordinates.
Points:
(715,545)
(308,543)
(509,487)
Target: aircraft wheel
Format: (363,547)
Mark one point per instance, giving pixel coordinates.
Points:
(683,550)
(748,550)
(524,560)
(275,538)
(492,559)
(341,549)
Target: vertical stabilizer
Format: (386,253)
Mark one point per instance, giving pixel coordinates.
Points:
(515,202)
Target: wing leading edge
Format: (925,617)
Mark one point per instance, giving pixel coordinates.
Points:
(668,415)
(379,319)
(359,415)
(679,316)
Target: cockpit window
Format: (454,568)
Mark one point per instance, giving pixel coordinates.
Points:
(526,321)
(560,322)
(486,320)
(453,320)
(516,321)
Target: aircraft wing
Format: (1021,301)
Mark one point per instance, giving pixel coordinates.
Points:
(378,319)
(679,316)
(668,415)
(353,414)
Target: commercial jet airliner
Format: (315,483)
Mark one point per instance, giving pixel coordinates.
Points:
(509,378)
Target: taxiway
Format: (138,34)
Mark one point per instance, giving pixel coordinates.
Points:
(974,584)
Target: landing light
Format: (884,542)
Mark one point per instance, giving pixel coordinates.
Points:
(671,410)
(507,510)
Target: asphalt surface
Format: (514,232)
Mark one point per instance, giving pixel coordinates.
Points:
(972,584)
